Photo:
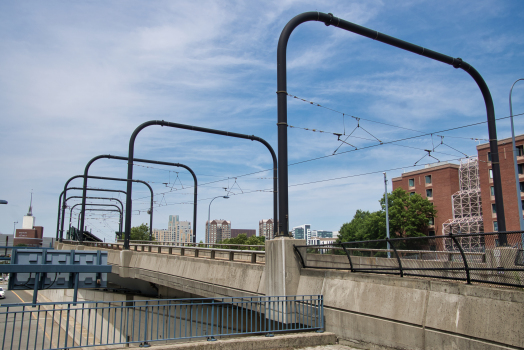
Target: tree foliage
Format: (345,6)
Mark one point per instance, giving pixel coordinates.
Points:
(242,239)
(409,216)
(140,233)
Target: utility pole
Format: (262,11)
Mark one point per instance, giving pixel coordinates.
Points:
(387,214)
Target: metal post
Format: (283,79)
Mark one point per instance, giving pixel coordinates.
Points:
(329,19)
(517,182)
(209,214)
(387,213)
(130,158)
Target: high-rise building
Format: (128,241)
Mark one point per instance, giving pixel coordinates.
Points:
(302,232)
(266,228)
(321,234)
(238,231)
(177,231)
(217,230)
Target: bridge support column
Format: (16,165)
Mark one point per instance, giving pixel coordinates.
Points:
(125,262)
(282,266)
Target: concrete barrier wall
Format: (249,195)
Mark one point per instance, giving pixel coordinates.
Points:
(197,276)
(405,313)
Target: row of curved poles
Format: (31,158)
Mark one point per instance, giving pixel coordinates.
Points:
(280,184)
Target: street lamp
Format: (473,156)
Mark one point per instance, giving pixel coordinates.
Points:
(519,199)
(2,201)
(14,228)
(209,213)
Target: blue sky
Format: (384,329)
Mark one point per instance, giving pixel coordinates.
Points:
(78,77)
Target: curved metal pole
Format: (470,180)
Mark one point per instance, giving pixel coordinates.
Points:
(72,197)
(329,19)
(109,156)
(120,210)
(517,182)
(59,236)
(127,197)
(209,216)
(129,205)
(91,209)
(64,193)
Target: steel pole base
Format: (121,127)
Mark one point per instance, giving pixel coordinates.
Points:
(270,335)
(211,338)
(145,345)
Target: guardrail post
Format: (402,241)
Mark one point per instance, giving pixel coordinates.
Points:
(349,257)
(212,254)
(253,258)
(170,251)
(145,344)
(231,256)
(196,253)
(398,257)
(466,267)
(159,250)
(182,251)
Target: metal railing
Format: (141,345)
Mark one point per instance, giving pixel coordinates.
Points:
(67,325)
(202,245)
(464,257)
(192,250)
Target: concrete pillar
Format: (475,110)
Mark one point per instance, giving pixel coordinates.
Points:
(125,262)
(282,268)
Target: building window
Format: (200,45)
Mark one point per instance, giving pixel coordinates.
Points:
(492,190)
(431,221)
(411,194)
(520,168)
(495,226)
(521,186)
(431,233)
(520,151)
(429,192)
(493,208)
(491,173)
(428,179)
(411,182)
(489,156)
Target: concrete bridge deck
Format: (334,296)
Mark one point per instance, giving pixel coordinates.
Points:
(364,310)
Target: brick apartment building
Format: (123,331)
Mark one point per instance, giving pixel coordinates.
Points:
(454,199)
(436,182)
(507,174)
(247,231)
(217,230)
(266,228)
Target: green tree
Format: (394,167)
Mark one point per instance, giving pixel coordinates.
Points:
(140,233)
(409,215)
(242,239)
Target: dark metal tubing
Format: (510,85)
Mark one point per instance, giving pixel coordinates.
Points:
(329,19)
(76,188)
(129,205)
(72,197)
(120,209)
(64,193)
(398,258)
(463,257)
(109,156)
(300,255)
(349,257)
(127,197)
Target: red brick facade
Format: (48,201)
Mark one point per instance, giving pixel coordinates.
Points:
(507,174)
(29,237)
(444,182)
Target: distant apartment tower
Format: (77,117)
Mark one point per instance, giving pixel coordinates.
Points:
(217,230)
(302,232)
(437,182)
(321,234)
(238,231)
(266,228)
(177,231)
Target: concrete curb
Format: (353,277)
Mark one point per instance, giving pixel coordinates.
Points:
(283,341)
